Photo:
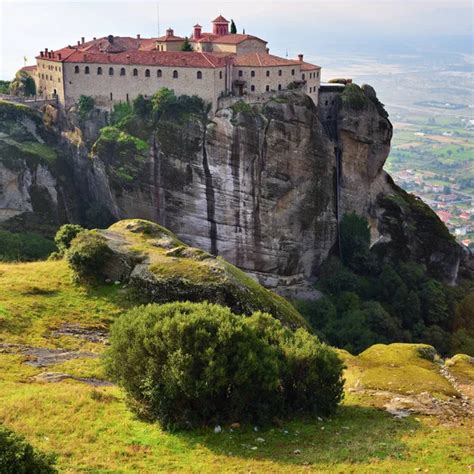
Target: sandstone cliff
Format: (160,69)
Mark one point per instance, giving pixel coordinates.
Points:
(262,185)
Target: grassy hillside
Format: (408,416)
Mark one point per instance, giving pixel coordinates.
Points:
(91,429)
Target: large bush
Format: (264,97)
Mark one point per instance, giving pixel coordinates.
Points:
(188,364)
(24,246)
(87,254)
(65,235)
(19,457)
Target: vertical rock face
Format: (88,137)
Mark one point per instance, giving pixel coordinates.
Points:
(262,187)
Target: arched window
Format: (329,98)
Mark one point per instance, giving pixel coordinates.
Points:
(268,73)
(122,71)
(267,88)
(292,72)
(303,77)
(241,73)
(279,72)
(159,73)
(99,71)
(76,69)
(111,71)
(147,73)
(86,71)
(175,74)
(252,73)
(220,75)
(199,75)
(252,88)
(135,72)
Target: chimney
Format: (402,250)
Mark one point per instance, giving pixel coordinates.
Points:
(268,50)
(169,32)
(300,58)
(138,37)
(78,43)
(197,31)
(46,50)
(41,53)
(83,40)
(94,38)
(49,55)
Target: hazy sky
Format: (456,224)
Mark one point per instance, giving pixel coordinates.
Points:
(311,26)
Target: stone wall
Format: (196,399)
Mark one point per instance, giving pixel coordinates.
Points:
(49,79)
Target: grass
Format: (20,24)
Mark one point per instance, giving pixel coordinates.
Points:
(92,430)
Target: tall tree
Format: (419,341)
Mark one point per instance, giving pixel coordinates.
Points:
(187,46)
(233,28)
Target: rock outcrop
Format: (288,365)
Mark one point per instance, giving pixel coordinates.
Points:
(263,186)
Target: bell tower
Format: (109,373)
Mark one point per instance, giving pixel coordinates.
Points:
(220,26)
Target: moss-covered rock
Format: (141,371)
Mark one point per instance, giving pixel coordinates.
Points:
(158,267)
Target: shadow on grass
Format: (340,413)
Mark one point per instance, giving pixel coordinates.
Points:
(356,434)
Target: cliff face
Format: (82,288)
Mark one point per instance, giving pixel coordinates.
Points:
(262,186)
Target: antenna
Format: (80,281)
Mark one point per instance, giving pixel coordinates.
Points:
(158,18)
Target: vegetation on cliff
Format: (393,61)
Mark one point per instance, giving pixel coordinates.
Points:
(370,301)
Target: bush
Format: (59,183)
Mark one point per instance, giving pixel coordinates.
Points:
(23,84)
(84,105)
(87,254)
(26,246)
(19,457)
(189,364)
(353,97)
(120,112)
(65,235)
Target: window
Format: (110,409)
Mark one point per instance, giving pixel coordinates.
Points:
(111,96)
(55,68)
(111,71)
(50,77)
(76,69)
(122,71)
(147,73)
(99,71)
(317,74)
(332,102)
(252,88)
(303,76)
(135,72)
(326,102)
(279,72)
(128,100)
(268,73)
(159,73)
(241,73)
(175,74)
(252,73)
(267,88)
(86,70)
(199,75)
(292,72)
(42,76)
(59,68)
(220,74)
(279,87)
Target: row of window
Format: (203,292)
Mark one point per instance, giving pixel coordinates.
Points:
(312,75)
(52,68)
(267,88)
(159,72)
(49,78)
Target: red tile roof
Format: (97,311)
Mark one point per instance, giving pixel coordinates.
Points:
(220,19)
(262,59)
(150,58)
(309,67)
(226,39)
(28,68)
(169,38)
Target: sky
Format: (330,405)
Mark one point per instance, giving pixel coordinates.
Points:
(314,27)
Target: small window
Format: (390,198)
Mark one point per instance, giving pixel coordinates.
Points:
(241,73)
(122,71)
(332,102)
(220,74)
(147,73)
(111,71)
(76,69)
(50,77)
(159,73)
(175,74)
(199,75)
(59,79)
(303,77)
(42,76)
(279,87)
(135,72)
(268,73)
(279,72)
(292,72)
(317,74)
(252,73)
(86,71)
(55,68)
(267,88)
(111,96)
(252,88)
(326,102)
(128,100)
(59,68)
(99,71)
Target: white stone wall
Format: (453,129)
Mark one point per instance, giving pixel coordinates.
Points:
(49,79)
(109,89)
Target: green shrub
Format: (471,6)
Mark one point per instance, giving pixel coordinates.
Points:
(19,457)
(189,364)
(87,254)
(25,246)
(241,106)
(23,84)
(353,97)
(4,87)
(120,112)
(65,235)
(84,105)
